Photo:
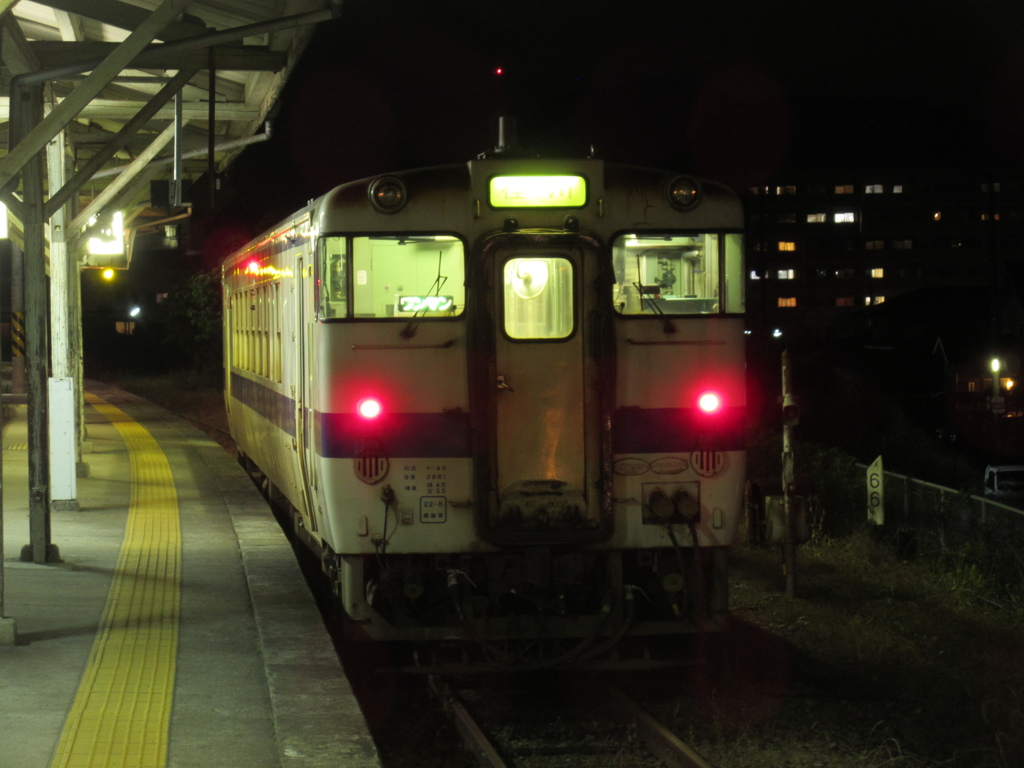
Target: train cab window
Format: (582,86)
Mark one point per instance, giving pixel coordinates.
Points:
(692,274)
(391,276)
(538,298)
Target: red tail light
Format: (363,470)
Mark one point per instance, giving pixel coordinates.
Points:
(709,402)
(369,408)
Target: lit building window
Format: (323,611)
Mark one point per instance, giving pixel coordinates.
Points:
(754,275)
(787,302)
(874,189)
(876,272)
(874,245)
(787,246)
(844,189)
(816,218)
(786,190)
(879,299)
(844,217)
(897,189)
(787,274)
(845,301)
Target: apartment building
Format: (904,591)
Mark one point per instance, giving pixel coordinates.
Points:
(820,251)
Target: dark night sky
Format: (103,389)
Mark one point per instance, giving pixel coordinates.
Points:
(735,91)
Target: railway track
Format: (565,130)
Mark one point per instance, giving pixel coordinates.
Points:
(600,726)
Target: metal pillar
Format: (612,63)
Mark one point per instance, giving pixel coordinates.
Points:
(63,409)
(36,345)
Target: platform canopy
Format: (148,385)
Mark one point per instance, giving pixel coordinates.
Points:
(134,92)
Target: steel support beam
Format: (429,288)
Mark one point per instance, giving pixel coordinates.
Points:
(36,139)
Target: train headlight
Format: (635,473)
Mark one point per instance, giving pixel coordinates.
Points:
(369,408)
(709,402)
(683,192)
(387,194)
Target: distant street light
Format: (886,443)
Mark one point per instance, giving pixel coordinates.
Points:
(997,404)
(134,312)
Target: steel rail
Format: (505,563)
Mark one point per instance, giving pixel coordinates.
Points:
(476,740)
(668,747)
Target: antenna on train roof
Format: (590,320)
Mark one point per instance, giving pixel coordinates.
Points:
(508,139)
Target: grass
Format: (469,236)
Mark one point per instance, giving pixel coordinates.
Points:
(876,661)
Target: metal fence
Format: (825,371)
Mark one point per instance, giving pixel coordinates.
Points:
(937,518)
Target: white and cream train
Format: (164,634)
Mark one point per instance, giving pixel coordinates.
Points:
(503,400)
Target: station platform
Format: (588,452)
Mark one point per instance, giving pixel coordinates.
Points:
(177,630)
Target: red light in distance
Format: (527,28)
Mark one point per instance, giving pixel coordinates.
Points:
(709,402)
(369,408)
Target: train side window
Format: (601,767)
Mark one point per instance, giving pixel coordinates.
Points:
(538,298)
(675,274)
(333,283)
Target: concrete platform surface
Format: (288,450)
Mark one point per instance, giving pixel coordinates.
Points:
(256,680)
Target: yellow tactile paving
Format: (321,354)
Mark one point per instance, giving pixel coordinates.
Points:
(121,713)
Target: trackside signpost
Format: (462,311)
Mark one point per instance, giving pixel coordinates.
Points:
(876,493)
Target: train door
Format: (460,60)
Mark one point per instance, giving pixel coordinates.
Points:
(304,428)
(547,453)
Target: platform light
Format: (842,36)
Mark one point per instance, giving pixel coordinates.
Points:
(108,274)
(110,241)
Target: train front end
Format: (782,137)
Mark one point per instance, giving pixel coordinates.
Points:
(526,404)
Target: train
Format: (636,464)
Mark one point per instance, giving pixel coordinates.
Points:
(502,402)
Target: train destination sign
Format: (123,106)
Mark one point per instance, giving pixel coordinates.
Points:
(538,192)
(425,303)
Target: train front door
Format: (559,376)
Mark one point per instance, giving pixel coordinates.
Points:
(546,405)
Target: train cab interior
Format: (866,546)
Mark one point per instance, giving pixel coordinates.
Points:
(688,274)
(380,277)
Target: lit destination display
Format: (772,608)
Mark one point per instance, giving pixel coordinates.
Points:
(425,303)
(538,192)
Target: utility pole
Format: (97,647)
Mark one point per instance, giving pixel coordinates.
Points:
(790,418)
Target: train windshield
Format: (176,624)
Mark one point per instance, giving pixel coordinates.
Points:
(391,276)
(689,274)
